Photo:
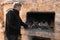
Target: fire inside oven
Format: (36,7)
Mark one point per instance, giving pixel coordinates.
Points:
(42,20)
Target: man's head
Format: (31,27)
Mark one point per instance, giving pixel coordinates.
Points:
(17,6)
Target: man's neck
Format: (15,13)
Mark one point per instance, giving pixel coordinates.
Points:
(16,9)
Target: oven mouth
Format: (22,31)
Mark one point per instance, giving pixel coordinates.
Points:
(43,20)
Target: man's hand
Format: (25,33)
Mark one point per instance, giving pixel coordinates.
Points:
(22,27)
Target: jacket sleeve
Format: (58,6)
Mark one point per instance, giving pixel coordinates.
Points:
(11,20)
(23,24)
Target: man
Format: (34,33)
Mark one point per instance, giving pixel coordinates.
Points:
(14,22)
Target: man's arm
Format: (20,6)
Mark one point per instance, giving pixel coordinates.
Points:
(23,24)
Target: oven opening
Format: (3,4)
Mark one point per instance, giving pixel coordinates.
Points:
(42,20)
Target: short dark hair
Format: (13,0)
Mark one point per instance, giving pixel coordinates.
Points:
(17,4)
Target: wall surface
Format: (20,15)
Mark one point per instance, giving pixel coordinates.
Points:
(38,5)
(1,23)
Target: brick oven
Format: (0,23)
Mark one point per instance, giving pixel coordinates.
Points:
(40,26)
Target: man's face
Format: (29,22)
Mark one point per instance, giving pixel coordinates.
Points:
(18,8)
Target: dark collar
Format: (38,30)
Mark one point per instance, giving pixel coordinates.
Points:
(16,11)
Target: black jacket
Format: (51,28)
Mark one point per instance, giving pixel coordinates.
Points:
(13,22)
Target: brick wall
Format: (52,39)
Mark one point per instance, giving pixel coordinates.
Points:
(44,5)
(1,23)
(41,5)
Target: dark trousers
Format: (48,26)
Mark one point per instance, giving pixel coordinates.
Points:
(11,37)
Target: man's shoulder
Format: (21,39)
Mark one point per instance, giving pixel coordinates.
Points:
(10,11)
